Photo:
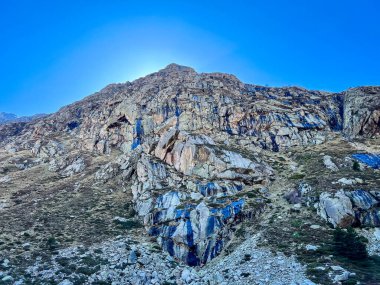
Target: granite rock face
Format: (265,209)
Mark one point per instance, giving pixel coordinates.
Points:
(191,150)
(336,209)
(362,112)
(127,115)
(186,192)
(349,208)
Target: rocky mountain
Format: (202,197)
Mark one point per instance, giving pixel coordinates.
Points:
(11,118)
(182,177)
(5,117)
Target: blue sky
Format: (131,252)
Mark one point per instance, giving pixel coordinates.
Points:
(55,52)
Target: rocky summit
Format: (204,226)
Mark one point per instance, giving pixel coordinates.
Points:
(182,177)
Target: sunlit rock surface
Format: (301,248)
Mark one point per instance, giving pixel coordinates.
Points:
(192,157)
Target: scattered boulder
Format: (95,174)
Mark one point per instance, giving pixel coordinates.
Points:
(299,195)
(336,209)
(338,274)
(362,199)
(344,209)
(329,163)
(77,166)
(5,179)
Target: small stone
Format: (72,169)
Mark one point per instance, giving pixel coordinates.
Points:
(186,275)
(297,206)
(65,282)
(7,278)
(311,247)
(132,257)
(5,263)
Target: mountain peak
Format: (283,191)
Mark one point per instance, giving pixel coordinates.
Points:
(177,68)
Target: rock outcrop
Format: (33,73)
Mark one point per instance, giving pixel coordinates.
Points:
(362,112)
(190,192)
(349,208)
(126,115)
(193,149)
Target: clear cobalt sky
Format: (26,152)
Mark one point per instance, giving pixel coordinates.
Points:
(53,53)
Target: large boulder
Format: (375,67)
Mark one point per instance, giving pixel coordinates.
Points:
(350,208)
(336,209)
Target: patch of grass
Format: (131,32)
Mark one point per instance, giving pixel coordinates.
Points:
(349,244)
(251,195)
(92,261)
(101,282)
(296,223)
(356,166)
(52,243)
(240,231)
(297,176)
(169,283)
(247,257)
(85,270)
(128,225)
(63,261)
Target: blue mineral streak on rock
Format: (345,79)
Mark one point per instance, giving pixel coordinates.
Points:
(136,142)
(231,210)
(168,245)
(192,259)
(217,248)
(334,120)
(160,199)
(372,160)
(187,249)
(210,226)
(238,205)
(226,212)
(72,125)
(206,253)
(178,111)
(289,122)
(213,188)
(209,189)
(363,199)
(275,146)
(154,231)
(189,235)
(305,123)
(138,133)
(370,218)
(184,213)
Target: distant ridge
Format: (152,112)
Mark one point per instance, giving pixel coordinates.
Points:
(12,118)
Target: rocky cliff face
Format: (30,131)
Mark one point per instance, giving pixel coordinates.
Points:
(362,112)
(183,127)
(196,155)
(125,115)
